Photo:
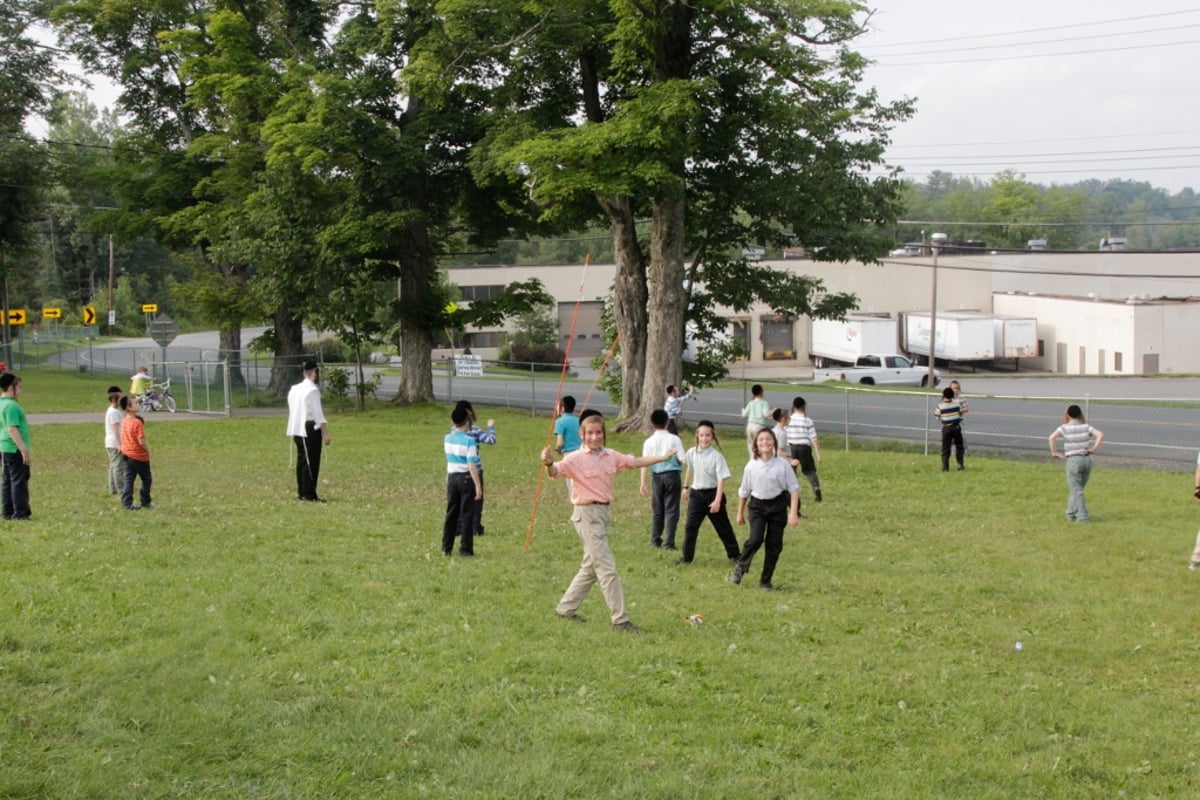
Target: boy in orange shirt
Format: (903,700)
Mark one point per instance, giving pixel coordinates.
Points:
(135,454)
(591,470)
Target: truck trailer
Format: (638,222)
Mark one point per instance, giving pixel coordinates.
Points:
(961,335)
(833,341)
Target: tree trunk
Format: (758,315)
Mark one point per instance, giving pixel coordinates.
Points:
(629,301)
(289,352)
(230,348)
(668,303)
(416,338)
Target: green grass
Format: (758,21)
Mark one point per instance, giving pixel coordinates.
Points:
(234,643)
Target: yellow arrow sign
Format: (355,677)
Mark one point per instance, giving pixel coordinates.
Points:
(89,315)
(149,308)
(51,313)
(16,316)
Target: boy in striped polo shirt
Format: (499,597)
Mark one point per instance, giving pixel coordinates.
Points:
(463,488)
(950,411)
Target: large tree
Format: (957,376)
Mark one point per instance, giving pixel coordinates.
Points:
(726,124)
(28,75)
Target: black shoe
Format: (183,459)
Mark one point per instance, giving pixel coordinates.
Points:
(817,495)
(766,586)
(735,576)
(466,553)
(655,544)
(681,561)
(669,547)
(628,627)
(574,617)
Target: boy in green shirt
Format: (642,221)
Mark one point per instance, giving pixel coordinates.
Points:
(14,451)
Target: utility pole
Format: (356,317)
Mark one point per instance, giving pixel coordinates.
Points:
(937,240)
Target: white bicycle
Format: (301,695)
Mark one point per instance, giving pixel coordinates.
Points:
(158,397)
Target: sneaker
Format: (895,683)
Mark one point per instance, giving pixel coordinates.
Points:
(669,547)
(628,627)
(680,561)
(817,495)
(1194,565)
(149,505)
(131,508)
(766,586)
(735,576)
(574,617)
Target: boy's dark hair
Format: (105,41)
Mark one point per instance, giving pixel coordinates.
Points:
(659,418)
(707,423)
(756,389)
(568,404)
(777,414)
(112,389)
(798,403)
(670,388)
(589,412)
(947,393)
(459,416)
(124,402)
(7,380)
(1073,411)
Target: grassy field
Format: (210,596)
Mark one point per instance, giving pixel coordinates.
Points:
(234,643)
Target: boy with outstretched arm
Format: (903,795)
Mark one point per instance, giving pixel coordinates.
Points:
(591,470)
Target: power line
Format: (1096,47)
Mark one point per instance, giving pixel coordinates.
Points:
(1039,42)
(1139,135)
(1045,29)
(1105,50)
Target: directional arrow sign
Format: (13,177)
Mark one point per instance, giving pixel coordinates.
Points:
(89,315)
(51,313)
(149,308)
(16,316)
(163,330)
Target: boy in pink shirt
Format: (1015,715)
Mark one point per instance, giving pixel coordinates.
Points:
(591,470)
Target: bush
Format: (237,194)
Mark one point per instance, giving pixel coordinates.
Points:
(329,350)
(543,357)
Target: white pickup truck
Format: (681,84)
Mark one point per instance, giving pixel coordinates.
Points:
(875,369)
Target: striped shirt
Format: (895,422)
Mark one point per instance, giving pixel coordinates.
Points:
(766,480)
(708,467)
(461,450)
(673,405)
(949,411)
(1077,438)
(800,429)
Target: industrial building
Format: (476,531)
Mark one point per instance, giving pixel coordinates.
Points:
(1098,312)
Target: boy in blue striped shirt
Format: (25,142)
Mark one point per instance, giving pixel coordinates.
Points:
(463,489)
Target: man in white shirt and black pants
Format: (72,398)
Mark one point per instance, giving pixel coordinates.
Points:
(307,427)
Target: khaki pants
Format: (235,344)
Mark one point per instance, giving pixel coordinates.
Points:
(591,523)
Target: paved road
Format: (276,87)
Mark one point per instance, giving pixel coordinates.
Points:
(1008,411)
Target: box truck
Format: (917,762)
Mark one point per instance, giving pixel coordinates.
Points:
(833,341)
(961,335)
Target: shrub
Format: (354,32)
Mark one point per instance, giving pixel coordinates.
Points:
(329,350)
(543,357)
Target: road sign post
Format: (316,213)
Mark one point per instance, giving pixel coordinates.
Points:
(163,331)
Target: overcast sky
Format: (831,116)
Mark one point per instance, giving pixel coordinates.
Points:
(1060,90)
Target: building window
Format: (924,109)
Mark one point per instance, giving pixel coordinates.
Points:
(739,331)
(1118,362)
(484,339)
(470,293)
